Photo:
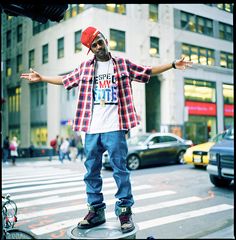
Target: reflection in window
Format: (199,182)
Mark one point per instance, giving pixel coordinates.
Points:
(225,31)
(154,46)
(78,46)
(228,93)
(117,40)
(73,10)
(198,90)
(60,48)
(153,12)
(116,8)
(14,100)
(45,54)
(228,7)
(196,23)
(198,55)
(19,65)
(226,60)
(8,68)
(31,59)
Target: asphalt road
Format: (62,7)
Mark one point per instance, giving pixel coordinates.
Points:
(173,201)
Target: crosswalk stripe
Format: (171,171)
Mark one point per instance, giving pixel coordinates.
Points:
(142,225)
(43,182)
(42,177)
(51,186)
(183,216)
(82,206)
(57,199)
(54,192)
(32,172)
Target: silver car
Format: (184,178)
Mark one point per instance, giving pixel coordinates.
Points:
(153,149)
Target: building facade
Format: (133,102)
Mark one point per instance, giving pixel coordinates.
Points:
(195,104)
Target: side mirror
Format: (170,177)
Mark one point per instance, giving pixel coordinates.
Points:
(150,144)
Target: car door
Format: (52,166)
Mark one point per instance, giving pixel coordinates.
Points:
(154,151)
(170,148)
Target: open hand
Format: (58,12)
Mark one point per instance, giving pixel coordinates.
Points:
(182,65)
(33,76)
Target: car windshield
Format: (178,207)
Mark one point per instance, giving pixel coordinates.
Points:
(138,140)
(217,137)
(229,134)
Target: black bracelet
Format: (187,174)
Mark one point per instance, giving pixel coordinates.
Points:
(173,64)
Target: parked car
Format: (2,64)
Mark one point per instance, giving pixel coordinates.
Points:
(153,149)
(198,154)
(221,160)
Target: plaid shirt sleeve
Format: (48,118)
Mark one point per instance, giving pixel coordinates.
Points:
(139,73)
(71,80)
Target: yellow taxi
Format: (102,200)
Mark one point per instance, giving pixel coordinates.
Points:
(198,154)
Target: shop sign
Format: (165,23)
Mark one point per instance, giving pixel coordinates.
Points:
(228,110)
(201,108)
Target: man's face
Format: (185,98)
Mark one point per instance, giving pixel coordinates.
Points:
(99,48)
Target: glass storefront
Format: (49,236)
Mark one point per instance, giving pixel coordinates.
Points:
(39,136)
(228,95)
(200,100)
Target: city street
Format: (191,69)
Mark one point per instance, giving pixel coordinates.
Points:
(171,202)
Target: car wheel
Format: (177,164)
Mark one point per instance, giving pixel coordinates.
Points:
(133,162)
(180,157)
(219,182)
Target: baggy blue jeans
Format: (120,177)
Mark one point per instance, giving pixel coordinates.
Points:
(95,145)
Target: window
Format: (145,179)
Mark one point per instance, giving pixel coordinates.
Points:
(19,33)
(31,59)
(8,68)
(19,65)
(45,54)
(153,12)
(154,46)
(117,40)
(14,99)
(228,93)
(78,45)
(8,40)
(226,60)
(73,10)
(39,27)
(199,90)
(168,139)
(198,54)
(116,8)
(60,48)
(226,7)
(197,24)
(225,31)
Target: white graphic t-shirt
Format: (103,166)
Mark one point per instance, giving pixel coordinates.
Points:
(105,100)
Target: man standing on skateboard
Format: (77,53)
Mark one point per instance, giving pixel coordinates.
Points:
(105,112)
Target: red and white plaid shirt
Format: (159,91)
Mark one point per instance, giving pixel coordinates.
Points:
(125,72)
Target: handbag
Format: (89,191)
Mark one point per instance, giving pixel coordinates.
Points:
(12,147)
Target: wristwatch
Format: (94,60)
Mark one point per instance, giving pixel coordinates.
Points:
(173,64)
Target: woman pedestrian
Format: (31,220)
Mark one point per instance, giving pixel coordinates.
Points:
(13,150)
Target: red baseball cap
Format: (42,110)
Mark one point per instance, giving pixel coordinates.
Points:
(88,36)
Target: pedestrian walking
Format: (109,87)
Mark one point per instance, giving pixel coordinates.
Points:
(105,112)
(80,148)
(54,147)
(64,150)
(73,149)
(14,150)
(6,149)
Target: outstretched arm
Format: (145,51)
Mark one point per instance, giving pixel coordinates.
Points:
(178,64)
(34,76)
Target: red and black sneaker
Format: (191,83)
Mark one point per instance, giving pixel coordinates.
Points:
(92,219)
(126,221)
